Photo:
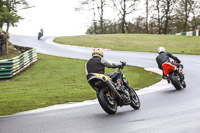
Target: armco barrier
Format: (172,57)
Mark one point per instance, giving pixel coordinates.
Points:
(10,67)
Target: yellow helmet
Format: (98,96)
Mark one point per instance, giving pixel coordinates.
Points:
(97,52)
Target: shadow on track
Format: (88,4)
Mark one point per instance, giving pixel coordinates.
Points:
(173,91)
(117,115)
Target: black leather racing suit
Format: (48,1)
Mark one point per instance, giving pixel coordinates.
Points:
(165,57)
(97,65)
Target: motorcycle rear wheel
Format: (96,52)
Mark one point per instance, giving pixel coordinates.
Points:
(135,101)
(107,101)
(175,79)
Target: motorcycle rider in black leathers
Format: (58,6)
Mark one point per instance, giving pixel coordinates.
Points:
(97,64)
(165,57)
(41,31)
(40,34)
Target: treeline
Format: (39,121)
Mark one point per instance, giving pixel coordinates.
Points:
(151,16)
(9,12)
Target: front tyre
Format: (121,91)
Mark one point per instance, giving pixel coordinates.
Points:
(183,84)
(107,101)
(135,101)
(175,79)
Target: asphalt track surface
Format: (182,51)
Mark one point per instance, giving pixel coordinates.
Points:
(165,111)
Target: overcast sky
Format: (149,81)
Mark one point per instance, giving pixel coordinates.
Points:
(56,17)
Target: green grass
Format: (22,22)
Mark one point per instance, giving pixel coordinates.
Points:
(136,42)
(56,80)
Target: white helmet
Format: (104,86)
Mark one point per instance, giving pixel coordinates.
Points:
(161,49)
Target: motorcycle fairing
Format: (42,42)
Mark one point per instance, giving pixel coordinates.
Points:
(96,75)
(102,75)
(168,67)
(96,80)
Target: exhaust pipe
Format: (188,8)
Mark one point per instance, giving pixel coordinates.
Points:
(112,87)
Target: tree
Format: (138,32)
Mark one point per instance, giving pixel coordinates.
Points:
(100,8)
(195,14)
(167,8)
(9,16)
(159,18)
(96,6)
(2,11)
(124,7)
(110,27)
(147,16)
(184,9)
(88,5)
(139,26)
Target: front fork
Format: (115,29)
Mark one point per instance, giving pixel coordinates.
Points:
(128,86)
(181,75)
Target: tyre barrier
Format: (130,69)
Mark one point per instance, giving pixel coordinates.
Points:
(190,33)
(11,67)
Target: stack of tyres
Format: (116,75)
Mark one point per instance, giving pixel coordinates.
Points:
(6,70)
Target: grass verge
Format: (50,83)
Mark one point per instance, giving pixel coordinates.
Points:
(11,53)
(136,42)
(56,80)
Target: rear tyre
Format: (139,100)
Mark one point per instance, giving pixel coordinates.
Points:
(135,101)
(175,79)
(107,101)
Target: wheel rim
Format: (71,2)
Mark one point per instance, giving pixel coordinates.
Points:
(109,99)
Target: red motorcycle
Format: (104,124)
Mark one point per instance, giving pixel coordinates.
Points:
(175,75)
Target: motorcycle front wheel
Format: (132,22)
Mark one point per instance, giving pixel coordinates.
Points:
(107,101)
(183,84)
(135,101)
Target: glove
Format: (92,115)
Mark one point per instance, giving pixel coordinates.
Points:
(123,64)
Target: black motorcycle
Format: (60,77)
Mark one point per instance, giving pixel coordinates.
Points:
(40,35)
(109,96)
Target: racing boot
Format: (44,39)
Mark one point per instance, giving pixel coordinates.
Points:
(164,76)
